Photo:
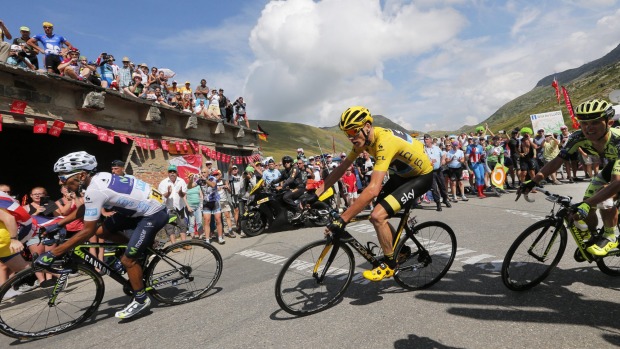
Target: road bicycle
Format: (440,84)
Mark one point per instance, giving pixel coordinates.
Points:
(179,273)
(316,276)
(539,248)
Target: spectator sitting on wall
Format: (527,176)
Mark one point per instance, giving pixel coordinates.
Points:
(137,87)
(69,66)
(22,41)
(4,46)
(201,108)
(106,69)
(88,71)
(18,58)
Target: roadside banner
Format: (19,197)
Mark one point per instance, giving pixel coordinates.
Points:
(551,121)
(498,176)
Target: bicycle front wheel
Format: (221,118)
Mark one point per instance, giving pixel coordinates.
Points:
(533,255)
(421,267)
(30,310)
(300,292)
(186,271)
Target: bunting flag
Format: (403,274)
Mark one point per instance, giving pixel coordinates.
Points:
(86,127)
(56,128)
(554,84)
(122,138)
(177,145)
(195,145)
(262,135)
(164,145)
(153,144)
(110,138)
(569,106)
(19,107)
(102,134)
(40,126)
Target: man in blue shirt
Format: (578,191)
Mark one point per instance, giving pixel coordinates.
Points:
(271,174)
(53,45)
(438,189)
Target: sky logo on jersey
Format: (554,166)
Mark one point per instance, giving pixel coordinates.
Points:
(91,212)
(122,202)
(407,196)
(140,185)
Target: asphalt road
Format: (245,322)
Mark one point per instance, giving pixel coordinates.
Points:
(576,307)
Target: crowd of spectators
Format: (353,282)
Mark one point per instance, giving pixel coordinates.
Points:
(62,58)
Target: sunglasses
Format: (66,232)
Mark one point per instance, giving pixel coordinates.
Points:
(64,178)
(352,133)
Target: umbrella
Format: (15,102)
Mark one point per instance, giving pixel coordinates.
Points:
(169,74)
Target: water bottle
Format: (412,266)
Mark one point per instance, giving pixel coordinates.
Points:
(117,265)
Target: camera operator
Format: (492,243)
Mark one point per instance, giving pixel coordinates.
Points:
(18,57)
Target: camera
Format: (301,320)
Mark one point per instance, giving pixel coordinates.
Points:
(201,182)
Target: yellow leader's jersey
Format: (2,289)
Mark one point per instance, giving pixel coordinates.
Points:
(397,152)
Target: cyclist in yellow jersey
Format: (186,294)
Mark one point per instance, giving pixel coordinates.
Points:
(410,177)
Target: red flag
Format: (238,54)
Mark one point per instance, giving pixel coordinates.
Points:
(195,145)
(177,145)
(122,138)
(19,107)
(569,106)
(110,138)
(152,144)
(102,134)
(86,127)
(56,128)
(554,84)
(164,145)
(40,126)
(333,145)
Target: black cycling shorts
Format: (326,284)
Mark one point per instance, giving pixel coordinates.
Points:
(399,192)
(143,229)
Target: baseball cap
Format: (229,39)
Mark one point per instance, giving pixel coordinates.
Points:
(174,81)
(455,144)
(235,166)
(208,162)
(216,172)
(117,163)
(47,24)
(172,168)
(249,169)
(300,149)
(24,29)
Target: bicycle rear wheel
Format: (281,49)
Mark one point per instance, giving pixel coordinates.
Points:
(420,268)
(36,314)
(181,277)
(298,292)
(533,255)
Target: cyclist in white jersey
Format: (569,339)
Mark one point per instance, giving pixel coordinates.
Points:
(139,208)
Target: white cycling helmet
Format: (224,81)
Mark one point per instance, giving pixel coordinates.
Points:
(80,160)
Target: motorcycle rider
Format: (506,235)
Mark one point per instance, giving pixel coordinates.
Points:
(291,180)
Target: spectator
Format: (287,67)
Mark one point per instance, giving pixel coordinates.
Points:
(247,183)
(350,185)
(19,58)
(208,166)
(39,206)
(5,47)
(551,149)
(193,204)
(159,98)
(88,71)
(69,67)
(117,167)
(202,91)
(214,105)
(137,88)
(240,112)
(210,205)
(22,41)
(124,75)
(455,160)
(106,69)
(163,83)
(153,79)
(223,104)
(271,174)
(527,156)
(201,108)
(172,90)
(53,44)
(570,165)
(186,90)
(234,181)
(174,189)
(174,100)
(143,70)
(300,151)
(68,203)
(439,184)
(223,191)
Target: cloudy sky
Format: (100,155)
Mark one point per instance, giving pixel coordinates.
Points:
(428,64)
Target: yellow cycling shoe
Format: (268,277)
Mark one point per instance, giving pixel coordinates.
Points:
(379,273)
(602,247)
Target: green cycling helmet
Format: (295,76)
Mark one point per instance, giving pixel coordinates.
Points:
(594,109)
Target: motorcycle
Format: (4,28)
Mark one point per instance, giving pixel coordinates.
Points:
(265,205)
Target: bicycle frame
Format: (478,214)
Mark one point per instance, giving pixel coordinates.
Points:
(366,252)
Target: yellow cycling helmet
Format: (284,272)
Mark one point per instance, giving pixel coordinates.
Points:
(355,118)
(594,109)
